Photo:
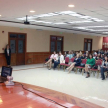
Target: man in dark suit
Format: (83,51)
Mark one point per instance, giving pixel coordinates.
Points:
(8,54)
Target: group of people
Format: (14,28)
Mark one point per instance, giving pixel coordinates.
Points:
(78,56)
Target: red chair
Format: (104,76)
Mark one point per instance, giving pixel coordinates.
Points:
(63,64)
(98,63)
(72,59)
(79,67)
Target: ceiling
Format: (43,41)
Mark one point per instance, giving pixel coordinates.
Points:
(88,17)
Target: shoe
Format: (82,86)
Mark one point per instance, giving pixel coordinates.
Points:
(103,78)
(54,68)
(88,75)
(49,69)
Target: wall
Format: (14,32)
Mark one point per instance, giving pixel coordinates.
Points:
(35,38)
(38,41)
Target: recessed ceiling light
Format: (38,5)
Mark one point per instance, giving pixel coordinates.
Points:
(0,15)
(71,5)
(32,11)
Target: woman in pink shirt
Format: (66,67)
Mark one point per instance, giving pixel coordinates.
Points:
(53,57)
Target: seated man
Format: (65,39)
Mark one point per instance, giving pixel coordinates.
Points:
(60,60)
(104,67)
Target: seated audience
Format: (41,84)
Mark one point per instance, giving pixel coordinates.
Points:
(53,58)
(75,54)
(104,67)
(86,52)
(102,57)
(59,60)
(99,51)
(82,56)
(65,54)
(77,62)
(69,55)
(86,56)
(98,57)
(89,64)
(72,53)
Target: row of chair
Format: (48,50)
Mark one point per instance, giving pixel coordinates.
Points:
(81,69)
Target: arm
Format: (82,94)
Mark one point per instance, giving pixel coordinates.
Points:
(78,61)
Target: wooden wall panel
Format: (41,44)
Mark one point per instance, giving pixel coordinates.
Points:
(36,57)
(2,60)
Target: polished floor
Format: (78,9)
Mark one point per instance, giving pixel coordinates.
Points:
(92,89)
(17,97)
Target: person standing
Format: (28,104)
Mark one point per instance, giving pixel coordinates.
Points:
(8,55)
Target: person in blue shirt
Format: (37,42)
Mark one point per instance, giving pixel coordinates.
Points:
(69,55)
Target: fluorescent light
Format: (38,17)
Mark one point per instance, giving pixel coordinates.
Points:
(71,5)
(0,15)
(80,22)
(105,32)
(59,23)
(32,11)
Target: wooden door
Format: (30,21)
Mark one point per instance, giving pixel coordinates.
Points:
(18,48)
(56,44)
(88,45)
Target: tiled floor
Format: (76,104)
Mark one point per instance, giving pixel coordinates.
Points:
(92,89)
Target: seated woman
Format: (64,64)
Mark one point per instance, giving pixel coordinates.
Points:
(104,67)
(60,60)
(86,56)
(69,55)
(53,58)
(89,64)
(98,57)
(102,57)
(77,62)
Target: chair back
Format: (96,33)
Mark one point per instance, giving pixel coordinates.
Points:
(67,59)
(84,61)
(72,59)
(98,62)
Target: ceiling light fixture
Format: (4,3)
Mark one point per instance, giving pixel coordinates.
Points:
(0,15)
(71,5)
(32,11)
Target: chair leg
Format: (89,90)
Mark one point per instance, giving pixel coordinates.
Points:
(64,67)
(76,70)
(94,73)
(97,73)
(59,67)
(82,72)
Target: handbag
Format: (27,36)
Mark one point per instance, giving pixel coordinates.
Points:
(95,67)
(82,65)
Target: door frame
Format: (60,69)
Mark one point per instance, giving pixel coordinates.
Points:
(25,50)
(91,43)
(62,43)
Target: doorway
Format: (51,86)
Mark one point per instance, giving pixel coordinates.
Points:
(56,43)
(88,44)
(17,43)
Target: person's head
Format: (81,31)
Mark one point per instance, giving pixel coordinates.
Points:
(54,52)
(76,52)
(101,55)
(60,53)
(106,58)
(7,46)
(86,54)
(86,51)
(78,55)
(98,55)
(90,56)
(69,52)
